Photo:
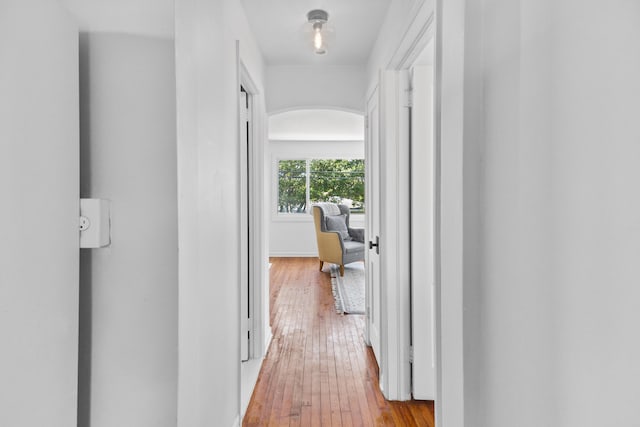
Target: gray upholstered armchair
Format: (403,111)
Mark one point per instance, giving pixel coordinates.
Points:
(337,242)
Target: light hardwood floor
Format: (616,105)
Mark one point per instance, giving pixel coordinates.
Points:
(318,371)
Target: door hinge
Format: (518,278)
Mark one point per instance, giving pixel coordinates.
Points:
(246,325)
(410,354)
(409,98)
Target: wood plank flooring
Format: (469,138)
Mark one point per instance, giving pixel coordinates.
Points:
(318,371)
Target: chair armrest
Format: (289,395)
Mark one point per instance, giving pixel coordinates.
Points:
(330,246)
(357,234)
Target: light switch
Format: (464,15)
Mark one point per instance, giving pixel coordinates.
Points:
(95,223)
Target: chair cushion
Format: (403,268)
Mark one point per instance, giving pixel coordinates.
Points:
(353,247)
(338,223)
(357,234)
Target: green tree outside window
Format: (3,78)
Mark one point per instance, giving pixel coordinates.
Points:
(337,181)
(292,186)
(301,182)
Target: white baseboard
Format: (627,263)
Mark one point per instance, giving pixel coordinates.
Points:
(250,372)
(268,335)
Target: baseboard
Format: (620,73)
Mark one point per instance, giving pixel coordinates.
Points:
(293,254)
(267,339)
(250,372)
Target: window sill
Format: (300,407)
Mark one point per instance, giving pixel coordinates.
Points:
(355,218)
(305,217)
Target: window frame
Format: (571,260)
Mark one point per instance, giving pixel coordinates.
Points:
(308,215)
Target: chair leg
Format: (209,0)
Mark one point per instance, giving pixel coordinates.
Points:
(321,264)
(342,270)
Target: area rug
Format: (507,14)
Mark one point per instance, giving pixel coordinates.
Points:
(348,290)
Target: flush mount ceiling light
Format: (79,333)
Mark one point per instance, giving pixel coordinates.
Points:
(318,19)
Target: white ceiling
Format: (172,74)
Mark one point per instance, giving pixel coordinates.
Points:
(279,28)
(278,25)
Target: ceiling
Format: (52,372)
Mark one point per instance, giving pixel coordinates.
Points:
(279,28)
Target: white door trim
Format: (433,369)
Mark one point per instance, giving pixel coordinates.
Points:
(257,255)
(449,221)
(244,126)
(395,368)
(416,37)
(423,208)
(254,244)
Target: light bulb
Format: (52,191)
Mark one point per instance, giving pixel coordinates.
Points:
(317,39)
(317,18)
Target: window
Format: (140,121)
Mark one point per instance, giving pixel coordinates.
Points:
(304,182)
(292,186)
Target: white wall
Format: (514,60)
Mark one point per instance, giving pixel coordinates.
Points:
(208,192)
(152,18)
(596,220)
(39,217)
(296,87)
(551,142)
(316,125)
(295,236)
(129,290)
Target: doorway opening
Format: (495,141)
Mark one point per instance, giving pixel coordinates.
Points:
(314,155)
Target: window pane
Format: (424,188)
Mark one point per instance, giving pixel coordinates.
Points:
(292,183)
(338,181)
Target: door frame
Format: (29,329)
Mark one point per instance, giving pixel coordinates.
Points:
(449,220)
(427,23)
(245,208)
(255,245)
(258,291)
(449,121)
(423,211)
(395,366)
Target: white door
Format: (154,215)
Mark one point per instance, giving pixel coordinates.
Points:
(245,309)
(39,236)
(372,257)
(422,234)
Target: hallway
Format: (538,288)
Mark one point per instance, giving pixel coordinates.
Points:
(318,371)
